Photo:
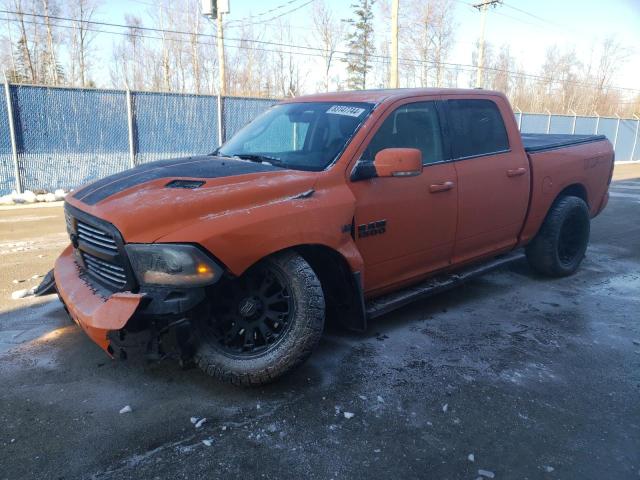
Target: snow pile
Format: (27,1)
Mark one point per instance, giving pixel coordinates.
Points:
(486,473)
(198,422)
(15,198)
(18,294)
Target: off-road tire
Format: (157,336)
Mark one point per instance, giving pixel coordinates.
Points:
(296,345)
(560,245)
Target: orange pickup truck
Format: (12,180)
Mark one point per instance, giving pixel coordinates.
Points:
(342,205)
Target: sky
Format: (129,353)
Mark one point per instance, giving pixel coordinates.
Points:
(529,27)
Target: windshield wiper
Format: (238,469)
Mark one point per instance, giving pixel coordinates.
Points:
(216,153)
(254,157)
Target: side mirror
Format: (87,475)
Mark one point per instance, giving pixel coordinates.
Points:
(398,162)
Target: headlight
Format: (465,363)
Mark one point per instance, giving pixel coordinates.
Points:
(172,264)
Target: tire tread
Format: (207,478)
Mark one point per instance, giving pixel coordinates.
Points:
(542,250)
(313,309)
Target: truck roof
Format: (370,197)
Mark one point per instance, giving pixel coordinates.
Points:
(379,95)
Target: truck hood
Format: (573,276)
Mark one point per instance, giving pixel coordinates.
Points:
(144,206)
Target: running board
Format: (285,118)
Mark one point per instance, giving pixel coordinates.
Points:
(392,301)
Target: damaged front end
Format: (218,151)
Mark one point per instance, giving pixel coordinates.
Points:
(131,296)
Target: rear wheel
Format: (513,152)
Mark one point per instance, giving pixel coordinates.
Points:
(263,324)
(560,245)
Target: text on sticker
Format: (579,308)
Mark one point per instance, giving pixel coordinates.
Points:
(345,110)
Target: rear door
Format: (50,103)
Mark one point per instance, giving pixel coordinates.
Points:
(405,226)
(493,175)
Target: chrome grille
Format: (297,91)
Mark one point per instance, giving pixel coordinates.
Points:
(69,222)
(108,272)
(99,251)
(96,238)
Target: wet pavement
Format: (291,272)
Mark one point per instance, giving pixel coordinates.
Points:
(534,378)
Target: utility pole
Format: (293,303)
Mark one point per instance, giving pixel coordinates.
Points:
(393,80)
(482,8)
(223,83)
(211,9)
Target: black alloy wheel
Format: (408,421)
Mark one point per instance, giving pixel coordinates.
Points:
(251,313)
(262,325)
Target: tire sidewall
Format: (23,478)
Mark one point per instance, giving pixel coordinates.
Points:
(302,335)
(572,206)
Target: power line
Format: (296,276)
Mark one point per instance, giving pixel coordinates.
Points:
(271,10)
(381,59)
(135,28)
(175,9)
(532,15)
(549,23)
(260,22)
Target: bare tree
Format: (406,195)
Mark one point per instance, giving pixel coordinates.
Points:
(442,28)
(429,40)
(26,65)
(612,55)
(286,67)
(52,69)
(81,39)
(195,21)
(488,60)
(253,72)
(127,66)
(327,32)
(417,18)
(165,62)
(7,57)
(500,70)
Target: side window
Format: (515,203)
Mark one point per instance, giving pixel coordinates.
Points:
(415,125)
(476,128)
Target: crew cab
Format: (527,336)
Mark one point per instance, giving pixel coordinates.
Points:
(340,205)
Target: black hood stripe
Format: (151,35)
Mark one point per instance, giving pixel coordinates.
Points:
(190,167)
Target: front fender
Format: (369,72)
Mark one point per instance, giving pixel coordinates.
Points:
(239,238)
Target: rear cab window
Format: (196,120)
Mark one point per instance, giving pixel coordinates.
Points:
(476,128)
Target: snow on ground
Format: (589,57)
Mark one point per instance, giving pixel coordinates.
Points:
(28,196)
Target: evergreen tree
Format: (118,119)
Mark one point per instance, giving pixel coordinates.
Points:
(21,72)
(360,43)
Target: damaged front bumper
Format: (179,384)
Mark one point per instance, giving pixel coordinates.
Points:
(96,314)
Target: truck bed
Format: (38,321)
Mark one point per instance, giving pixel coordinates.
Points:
(536,142)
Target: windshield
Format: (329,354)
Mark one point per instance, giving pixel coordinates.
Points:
(302,136)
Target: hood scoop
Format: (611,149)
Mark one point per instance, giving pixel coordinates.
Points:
(188,184)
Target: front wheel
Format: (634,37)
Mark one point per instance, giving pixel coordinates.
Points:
(559,247)
(262,325)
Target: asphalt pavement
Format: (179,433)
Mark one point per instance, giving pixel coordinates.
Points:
(513,374)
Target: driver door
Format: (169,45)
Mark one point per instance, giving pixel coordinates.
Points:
(406,226)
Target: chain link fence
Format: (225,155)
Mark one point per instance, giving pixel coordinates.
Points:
(68,136)
(623,133)
(7,176)
(169,125)
(237,112)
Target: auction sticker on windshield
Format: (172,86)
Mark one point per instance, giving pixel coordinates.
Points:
(346,110)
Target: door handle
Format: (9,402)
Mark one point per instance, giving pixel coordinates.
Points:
(440,187)
(516,172)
